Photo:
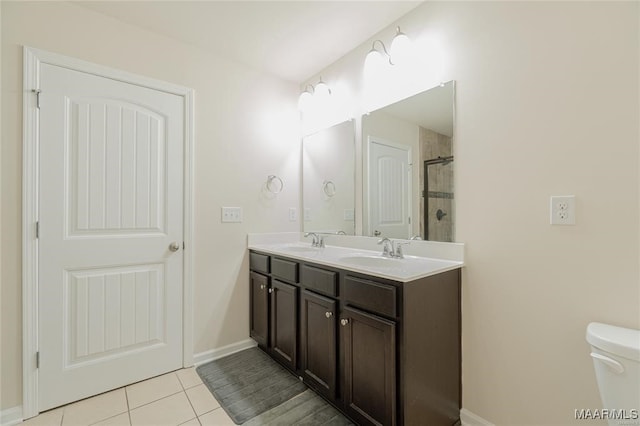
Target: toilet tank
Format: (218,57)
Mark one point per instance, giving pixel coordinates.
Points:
(616,358)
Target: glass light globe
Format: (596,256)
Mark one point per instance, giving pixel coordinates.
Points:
(401,49)
(304,101)
(322,91)
(374,63)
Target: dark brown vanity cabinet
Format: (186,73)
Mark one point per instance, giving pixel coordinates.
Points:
(384,352)
(318,342)
(284,323)
(259,318)
(369,346)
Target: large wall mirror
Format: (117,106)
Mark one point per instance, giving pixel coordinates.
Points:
(328,180)
(408,167)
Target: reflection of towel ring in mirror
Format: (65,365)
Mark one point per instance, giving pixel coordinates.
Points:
(329,188)
(274,188)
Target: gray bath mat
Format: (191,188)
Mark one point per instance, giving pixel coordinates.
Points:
(249,383)
(306,409)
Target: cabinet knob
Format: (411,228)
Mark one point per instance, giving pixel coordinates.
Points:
(328,314)
(262,286)
(270,290)
(344,321)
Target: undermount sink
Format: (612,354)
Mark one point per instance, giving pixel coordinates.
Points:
(372,261)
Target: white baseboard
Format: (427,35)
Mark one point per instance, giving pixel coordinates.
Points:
(204,357)
(467,418)
(11,416)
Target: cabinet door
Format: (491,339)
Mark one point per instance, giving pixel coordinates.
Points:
(284,322)
(318,342)
(259,317)
(369,367)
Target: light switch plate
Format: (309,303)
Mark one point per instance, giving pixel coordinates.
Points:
(232,214)
(349,214)
(293,214)
(563,210)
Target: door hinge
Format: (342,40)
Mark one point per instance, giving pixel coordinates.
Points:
(409,221)
(37,230)
(37,92)
(184,246)
(38,359)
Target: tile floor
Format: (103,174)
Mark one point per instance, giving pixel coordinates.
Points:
(178,398)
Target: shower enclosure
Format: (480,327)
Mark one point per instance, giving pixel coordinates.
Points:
(437,220)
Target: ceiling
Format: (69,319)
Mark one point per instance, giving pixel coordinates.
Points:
(290,39)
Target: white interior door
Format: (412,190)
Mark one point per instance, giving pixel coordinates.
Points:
(110,205)
(389,190)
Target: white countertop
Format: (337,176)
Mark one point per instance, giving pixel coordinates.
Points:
(357,254)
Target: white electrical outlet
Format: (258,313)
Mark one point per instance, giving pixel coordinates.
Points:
(563,210)
(293,214)
(232,214)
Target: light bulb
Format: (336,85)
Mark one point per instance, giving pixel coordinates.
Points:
(400,48)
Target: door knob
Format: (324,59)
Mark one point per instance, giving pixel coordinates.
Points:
(270,290)
(262,286)
(344,321)
(328,314)
(174,246)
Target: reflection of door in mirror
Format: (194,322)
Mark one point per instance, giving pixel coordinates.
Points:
(423,124)
(328,180)
(389,183)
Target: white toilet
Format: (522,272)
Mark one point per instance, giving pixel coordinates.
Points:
(616,359)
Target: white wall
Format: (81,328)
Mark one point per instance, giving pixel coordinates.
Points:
(246,129)
(547,104)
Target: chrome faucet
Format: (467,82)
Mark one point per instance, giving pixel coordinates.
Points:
(416,237)
(388,250)
(392,248)
(317,241)
(399,254)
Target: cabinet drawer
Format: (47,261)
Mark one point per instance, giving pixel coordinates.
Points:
(320,280)
(370,295)
(259,262)
(284,269)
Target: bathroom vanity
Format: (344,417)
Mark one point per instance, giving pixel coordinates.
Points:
(377,337)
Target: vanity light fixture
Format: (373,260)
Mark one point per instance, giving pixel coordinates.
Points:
(399,52)
(313,96)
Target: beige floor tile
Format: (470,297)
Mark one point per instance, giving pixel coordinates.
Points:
(170,411)
(217,417)
(192,422)
(153,390)
(201,399)
(48,418)
(119,420)
(188,377)
(95,409)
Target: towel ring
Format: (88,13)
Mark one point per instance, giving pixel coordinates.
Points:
(274,188)
(329,188)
